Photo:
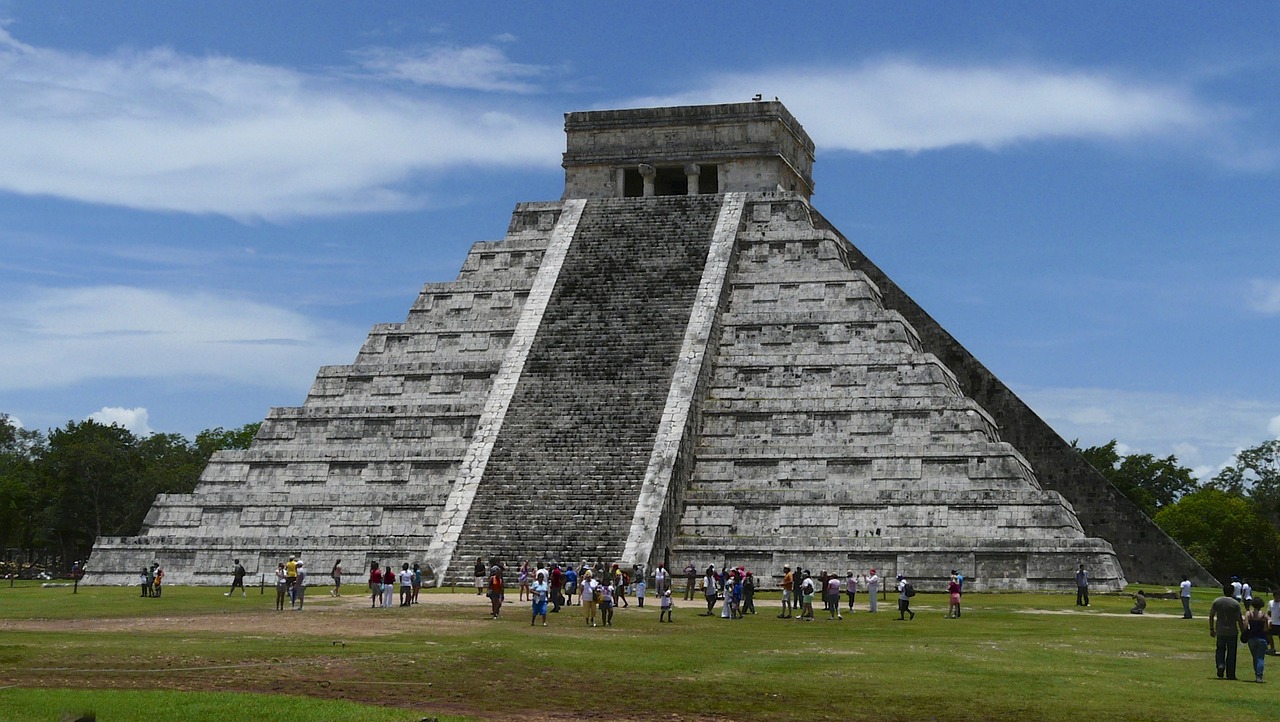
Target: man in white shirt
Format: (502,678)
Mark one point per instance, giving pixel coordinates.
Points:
(1246,591)
(1185,594)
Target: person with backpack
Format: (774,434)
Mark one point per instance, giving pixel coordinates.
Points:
(905,593)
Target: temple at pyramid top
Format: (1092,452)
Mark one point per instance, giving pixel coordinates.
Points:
(687,150)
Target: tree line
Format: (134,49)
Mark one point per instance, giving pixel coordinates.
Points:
(1230,523)
(62,489)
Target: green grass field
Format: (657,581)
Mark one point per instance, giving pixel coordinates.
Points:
(197,655)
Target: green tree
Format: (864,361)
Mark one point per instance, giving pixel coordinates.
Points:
(1256,474)
(1150,482)
(212,440)
(93,470)
(1225,532)
(21,518)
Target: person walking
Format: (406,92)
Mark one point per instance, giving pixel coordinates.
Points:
(237,579)
(496,591)
(480,576)
(666,606)
(1082,587)
(587,596)
(833,597)
(1226,623)
(1256,624)
(539,590)
(749,594)
(850,588)
(905,593)
(1184,593)
(336,575)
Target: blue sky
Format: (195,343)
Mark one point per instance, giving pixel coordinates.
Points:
(202,203)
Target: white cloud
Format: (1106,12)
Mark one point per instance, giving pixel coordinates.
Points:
(1264,296)
(53,338)
(906,105)
(1201,431)
(135,420)
(478,67)
(159,130)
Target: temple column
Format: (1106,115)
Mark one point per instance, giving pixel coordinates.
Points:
(648,173)
(691,172)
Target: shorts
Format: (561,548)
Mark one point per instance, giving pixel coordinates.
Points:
(539,609)
(786,596)
(480,583)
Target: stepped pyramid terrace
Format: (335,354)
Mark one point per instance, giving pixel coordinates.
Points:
(679,360)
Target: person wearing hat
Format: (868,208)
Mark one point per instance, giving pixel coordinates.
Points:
(788,583)
(299,586)
(850,587)
(904,598)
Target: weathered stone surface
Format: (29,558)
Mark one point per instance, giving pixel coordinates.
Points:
(680,360)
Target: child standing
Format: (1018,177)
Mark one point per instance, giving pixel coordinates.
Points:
(640,592)
(666,606)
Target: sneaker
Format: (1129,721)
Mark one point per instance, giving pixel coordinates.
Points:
(839,616)
(244,594)
(227,594)
(1221,672)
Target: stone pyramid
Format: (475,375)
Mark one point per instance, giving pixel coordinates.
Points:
(681,360)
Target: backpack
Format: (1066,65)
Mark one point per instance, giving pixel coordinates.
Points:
(908,590)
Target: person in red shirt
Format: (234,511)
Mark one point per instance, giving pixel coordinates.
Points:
(495,591)
(375,585)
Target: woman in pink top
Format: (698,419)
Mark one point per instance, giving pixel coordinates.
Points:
(953,588)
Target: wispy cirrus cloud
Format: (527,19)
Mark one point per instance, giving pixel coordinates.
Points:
(477,67)
(1264,296)
(894,104)
(57,337)
(160,130)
